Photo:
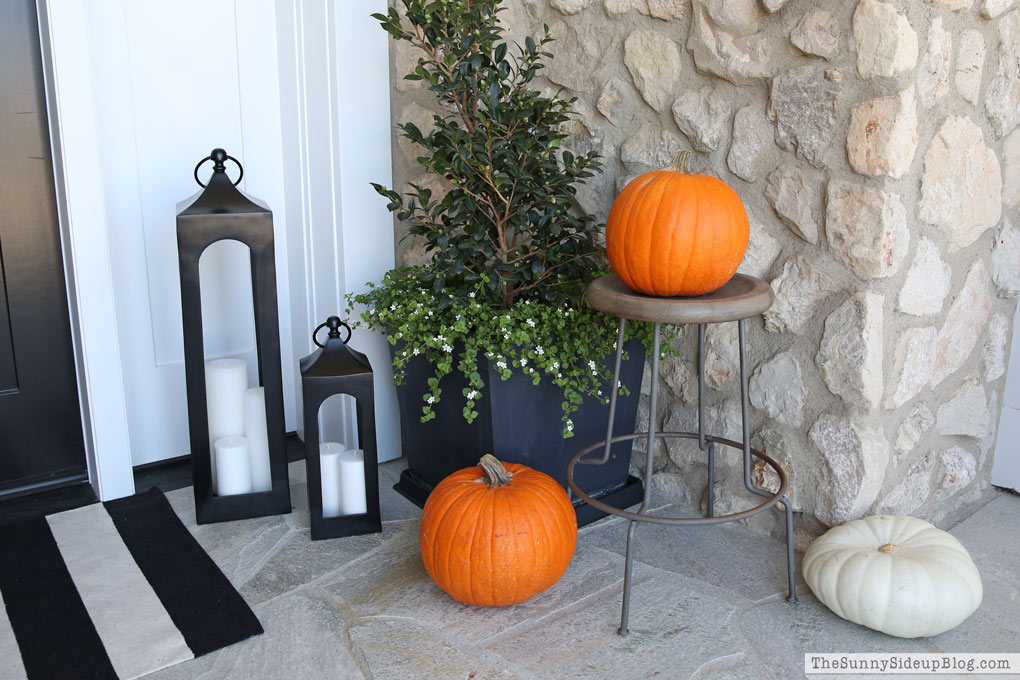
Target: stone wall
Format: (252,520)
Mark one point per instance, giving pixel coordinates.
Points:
(875,146)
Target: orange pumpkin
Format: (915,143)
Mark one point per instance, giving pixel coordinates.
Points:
(671,232)
(496,535)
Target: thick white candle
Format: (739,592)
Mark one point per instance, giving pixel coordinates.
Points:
(258,439)
(352,482)
(233,466)
(225,383)
(329,467)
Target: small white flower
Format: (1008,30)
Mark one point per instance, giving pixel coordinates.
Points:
(524,362)
(559,375)
(530,322)
(393,308)
(471,294)
(430,313)
(501,365)
(430,399)
(570,425)
(447,348)
(539,351)
(417,351)
(599,393)
(591,365)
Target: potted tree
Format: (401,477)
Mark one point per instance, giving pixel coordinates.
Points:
(493,348)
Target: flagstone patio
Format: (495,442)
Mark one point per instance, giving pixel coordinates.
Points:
(708,603)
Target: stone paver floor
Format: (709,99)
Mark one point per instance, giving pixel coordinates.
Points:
(708,603)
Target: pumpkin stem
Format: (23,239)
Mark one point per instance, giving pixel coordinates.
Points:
(495,473)
(680,164)
(888,548)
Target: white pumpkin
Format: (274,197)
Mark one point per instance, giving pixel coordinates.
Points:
(898,575)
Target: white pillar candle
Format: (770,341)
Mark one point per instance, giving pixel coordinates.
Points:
(233,466)
(258,439)
(352,482)
(329,469)
(225,383)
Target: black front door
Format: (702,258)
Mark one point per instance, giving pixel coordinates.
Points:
(40,420)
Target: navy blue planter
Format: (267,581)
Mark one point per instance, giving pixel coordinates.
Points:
(518,422)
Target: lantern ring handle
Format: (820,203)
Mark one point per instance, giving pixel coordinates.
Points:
(333,323)
(240,168)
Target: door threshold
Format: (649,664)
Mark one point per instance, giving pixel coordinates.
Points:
(42,484)
(33,506)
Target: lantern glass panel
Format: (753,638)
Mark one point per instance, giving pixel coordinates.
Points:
(338,420)
(228,309)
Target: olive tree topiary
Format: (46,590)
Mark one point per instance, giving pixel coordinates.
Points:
(509,211)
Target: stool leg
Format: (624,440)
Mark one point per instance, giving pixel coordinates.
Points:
(791,581)
(628,567)
(653,402)
(653,406)
(614,391)
(745,410)
(709,447)
(710,510)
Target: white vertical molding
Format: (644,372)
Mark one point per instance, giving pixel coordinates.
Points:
(334,94)
(363,135)
(81,209)
(294,138)
(1006,463)
(258,82)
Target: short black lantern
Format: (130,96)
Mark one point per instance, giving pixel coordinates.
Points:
(337,369)
(222,212)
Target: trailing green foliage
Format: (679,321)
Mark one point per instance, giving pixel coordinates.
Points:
(565,343)
(507,210)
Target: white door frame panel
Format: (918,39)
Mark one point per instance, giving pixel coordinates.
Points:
(319,187)
(1006,464)
(334,97)
(81,210)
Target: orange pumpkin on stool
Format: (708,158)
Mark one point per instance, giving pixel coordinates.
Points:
(675,233)
(496,535)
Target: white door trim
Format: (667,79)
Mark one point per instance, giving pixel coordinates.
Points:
(335,105)
(333,69)
(81,210)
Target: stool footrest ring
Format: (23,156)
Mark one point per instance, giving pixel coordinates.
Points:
(773,498)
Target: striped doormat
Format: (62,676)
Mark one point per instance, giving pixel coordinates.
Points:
(111,590)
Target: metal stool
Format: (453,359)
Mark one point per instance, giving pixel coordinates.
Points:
(741,298)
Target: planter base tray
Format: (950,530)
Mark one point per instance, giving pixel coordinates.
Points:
(417,490)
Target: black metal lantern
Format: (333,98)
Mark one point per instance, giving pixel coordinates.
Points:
(222,212)
(337,369)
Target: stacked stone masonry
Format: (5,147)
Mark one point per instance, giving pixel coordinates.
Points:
(876,146)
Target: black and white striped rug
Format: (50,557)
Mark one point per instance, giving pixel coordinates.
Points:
(111,590)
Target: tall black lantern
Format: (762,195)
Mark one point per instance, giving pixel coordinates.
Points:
(222,212)
(337,369)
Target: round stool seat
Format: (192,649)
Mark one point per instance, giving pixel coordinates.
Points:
(743,297)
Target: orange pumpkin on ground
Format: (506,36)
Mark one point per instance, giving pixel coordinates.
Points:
(496,535)
(671,232)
